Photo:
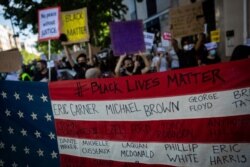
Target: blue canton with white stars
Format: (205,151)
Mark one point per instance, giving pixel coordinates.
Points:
(27,132)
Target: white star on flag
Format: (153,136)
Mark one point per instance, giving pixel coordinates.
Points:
(11,130)
(13,148)
(1,162)
(14,164)
(53,155)
(48,117)
(20,114)
(4,94)
(24,132)
(34,116)
(1,145)
(7,112)
(26,150)
(17,96)
(38,134)
(44,98)
(40,152)
(30,97)
(51,135)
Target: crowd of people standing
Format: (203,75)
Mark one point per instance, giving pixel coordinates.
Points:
(181,54)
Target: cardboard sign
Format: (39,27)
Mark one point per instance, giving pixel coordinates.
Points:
(48,23)
(187,20)
(215,36)
(75,25)
(10,60)
(127,37)
(149,40)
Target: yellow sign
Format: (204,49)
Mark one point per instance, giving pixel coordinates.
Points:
(215,36)
(75,25)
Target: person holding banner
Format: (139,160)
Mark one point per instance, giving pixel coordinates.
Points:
(127,67)
(82,64)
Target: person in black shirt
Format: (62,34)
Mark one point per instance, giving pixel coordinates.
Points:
(42,72)
(127,67)
(82,64)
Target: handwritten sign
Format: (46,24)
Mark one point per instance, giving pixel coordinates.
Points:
(48,23)
(75,25)
(127,37)
(10,60)
(192,117)
(187,20)
(149,40)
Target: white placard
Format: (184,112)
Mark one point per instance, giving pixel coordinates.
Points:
(48,23)
(149,39)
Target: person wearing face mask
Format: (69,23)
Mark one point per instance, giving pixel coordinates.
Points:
(187,57)
(204,55)
(42,72)
(82,64)
(127,67)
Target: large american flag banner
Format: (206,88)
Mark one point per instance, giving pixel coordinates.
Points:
(27,131)
(192,117)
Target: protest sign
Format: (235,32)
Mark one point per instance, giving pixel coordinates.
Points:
(127,37)
(166,39)
(189,117)
(48,23)
(149,40)
(167,36)
(10,60)
(187,20)
(211,45)
(215,36)
(75,25)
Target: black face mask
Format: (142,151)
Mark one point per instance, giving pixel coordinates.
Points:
(130,69)
(82,64)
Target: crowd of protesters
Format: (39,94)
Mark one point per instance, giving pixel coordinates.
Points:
(181,54)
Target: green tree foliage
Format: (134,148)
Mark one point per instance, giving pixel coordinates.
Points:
(100,13)
(28,57)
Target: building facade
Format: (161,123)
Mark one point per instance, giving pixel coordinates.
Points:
(7,39)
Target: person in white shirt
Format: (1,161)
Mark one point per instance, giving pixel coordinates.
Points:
(160,60)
